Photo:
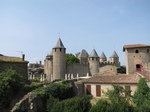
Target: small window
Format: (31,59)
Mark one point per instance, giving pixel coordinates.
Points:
(147,50)
(136,51)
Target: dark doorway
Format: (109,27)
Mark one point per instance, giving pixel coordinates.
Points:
(138,66)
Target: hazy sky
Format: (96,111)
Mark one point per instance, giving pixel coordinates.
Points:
(32,26)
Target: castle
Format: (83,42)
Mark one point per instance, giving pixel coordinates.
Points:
(55,66)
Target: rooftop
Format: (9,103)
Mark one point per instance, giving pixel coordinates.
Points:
(11,59)
(94,54)
(114,79)
(134,46)
(59,44)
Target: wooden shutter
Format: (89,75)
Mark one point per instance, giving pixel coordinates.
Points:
(98,90)
(127,87)
(88,89)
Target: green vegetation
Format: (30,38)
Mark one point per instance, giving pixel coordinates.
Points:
(121,69)
(76,104)
(32,86)
(142,96)
(70,58)
(10,84)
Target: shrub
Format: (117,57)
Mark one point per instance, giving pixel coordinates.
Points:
(10,84)
(76,104)
(32,87)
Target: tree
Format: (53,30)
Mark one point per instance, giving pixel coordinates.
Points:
(142,96)
(75,104)
(70,58)
(10,84)
(121,69)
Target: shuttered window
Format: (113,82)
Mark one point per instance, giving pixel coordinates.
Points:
(127,87)
(88,89)
(98,90)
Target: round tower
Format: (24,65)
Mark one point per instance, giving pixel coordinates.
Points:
(94,62)
(59,60)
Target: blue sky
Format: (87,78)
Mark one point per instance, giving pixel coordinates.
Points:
(32,26)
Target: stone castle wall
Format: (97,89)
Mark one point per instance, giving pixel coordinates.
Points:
(81,69)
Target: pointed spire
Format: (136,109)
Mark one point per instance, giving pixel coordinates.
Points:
(59,44)
(103,56)
(114,55)
(94,54)
(83,53)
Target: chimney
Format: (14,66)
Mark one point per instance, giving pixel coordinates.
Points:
(23,57)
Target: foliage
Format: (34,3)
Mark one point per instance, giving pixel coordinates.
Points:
(76,104)
(70,58)
(121,69)
(32,86)
(101,106)
(10,84)
(142,96)
(35,80)
(40,71)
(119,100)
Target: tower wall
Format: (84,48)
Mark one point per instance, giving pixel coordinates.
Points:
(134,57)
(59,63)
(94,65)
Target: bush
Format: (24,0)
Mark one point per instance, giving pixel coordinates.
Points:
(10,84)
(76,104)
(32,87)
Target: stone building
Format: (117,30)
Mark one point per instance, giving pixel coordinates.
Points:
(55,66)
(137,57)
(15,63)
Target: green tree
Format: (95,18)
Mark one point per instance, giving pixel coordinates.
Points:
(76,104)
(142,96)
(121,69)
(10,84)
(70,58)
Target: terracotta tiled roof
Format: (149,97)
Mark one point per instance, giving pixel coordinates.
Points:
(134,46)
(114,79)
(8,57)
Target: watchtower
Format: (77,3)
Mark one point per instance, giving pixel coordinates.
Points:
(94,62)
(136,56)
(59,60)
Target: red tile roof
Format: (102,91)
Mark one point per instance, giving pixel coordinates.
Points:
(134,46)
(114,79)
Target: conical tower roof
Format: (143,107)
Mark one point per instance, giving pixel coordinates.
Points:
(94,54)
(83,53)
(114,55)
(103,56)
(59,44)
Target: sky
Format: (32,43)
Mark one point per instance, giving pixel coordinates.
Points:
(32,27)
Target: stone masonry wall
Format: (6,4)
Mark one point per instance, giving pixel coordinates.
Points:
(29,103)
(20,67)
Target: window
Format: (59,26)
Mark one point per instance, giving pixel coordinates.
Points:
(98,90)
(147,50)
(136,51)
(127,87)
(88,89)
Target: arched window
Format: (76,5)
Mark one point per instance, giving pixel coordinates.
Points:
(136,51)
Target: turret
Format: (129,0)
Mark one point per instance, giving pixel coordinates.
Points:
(94,62)
(103,57)
(83,56)
(114,59)
(59,60)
